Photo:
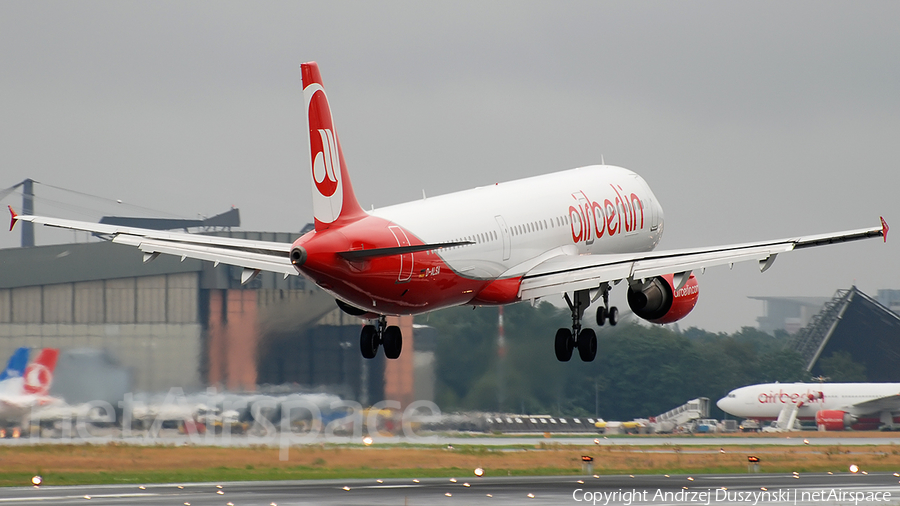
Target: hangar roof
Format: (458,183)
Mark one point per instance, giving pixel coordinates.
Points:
(92,261)
(67,263)
(855,323)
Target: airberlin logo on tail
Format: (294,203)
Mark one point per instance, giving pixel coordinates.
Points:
(327,165)
(328,198)
(616,215)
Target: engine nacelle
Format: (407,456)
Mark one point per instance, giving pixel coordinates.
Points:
(834,419)
(355,311)
(659,302)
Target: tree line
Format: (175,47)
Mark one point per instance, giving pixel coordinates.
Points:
(640,371)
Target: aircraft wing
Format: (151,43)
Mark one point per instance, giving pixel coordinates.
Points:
(886,403)
(253,256)
(582,272)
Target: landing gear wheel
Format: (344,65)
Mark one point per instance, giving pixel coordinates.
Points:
(392,340)
(601,316)
(368,341)
(587,345)
(565,343)
(613,315)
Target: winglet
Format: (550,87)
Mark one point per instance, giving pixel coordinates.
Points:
(884,228)
(13,217)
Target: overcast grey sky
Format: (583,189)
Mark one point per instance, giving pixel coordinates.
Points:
(751,120)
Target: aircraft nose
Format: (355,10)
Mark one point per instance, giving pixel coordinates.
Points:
(723,404)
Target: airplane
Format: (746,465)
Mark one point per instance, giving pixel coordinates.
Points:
(20,394)
(16,366)
(833,406)
(579,232)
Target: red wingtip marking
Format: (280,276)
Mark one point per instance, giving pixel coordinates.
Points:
(13,215)
(884,229)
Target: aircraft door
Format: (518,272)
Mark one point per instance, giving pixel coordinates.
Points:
(586,219)
(406,259)
(634,209)
(504,235)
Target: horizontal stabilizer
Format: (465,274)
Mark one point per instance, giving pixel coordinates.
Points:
(362,254)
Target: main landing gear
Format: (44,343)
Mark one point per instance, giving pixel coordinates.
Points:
(583,339)
(381,335)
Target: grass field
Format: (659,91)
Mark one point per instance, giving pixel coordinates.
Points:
(117,463)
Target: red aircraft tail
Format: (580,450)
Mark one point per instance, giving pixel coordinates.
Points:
(39,374)
(334,202)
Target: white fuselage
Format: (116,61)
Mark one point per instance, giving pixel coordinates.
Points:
(15,403)
(766,401)
(517,224)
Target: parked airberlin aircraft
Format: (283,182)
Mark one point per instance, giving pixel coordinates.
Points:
(575,233)
(834,406)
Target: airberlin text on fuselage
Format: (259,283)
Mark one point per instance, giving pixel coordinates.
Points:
(590,219)
(790,397)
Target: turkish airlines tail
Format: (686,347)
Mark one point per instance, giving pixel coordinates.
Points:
(334,203)
(39,374)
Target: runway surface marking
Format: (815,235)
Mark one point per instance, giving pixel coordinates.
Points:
(86,496)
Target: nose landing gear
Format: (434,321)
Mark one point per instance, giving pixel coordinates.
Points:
(605,312)
(388,336)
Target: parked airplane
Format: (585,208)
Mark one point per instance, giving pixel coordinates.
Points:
(577,232)
(833,406)
(20,394)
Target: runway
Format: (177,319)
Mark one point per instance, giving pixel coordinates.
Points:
(763,489)
(282,440)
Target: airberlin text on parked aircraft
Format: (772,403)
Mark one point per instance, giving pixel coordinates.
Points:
(833,406)
(782,397)
(575,233)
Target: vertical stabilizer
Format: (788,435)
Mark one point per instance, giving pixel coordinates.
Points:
(16,366)
(334,202)
(39,374)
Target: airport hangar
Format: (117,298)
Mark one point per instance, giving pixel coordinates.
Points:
(189,324)
(866,328)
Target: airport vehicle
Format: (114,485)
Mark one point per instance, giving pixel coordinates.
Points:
(20,394)
(728,426)
(577,233)
(705,426)
(833,406)
(632,427)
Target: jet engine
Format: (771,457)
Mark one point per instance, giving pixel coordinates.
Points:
(657,300)
(355,311)
(834,419)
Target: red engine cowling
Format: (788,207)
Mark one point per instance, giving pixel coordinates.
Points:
(834,419)
(659,302)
